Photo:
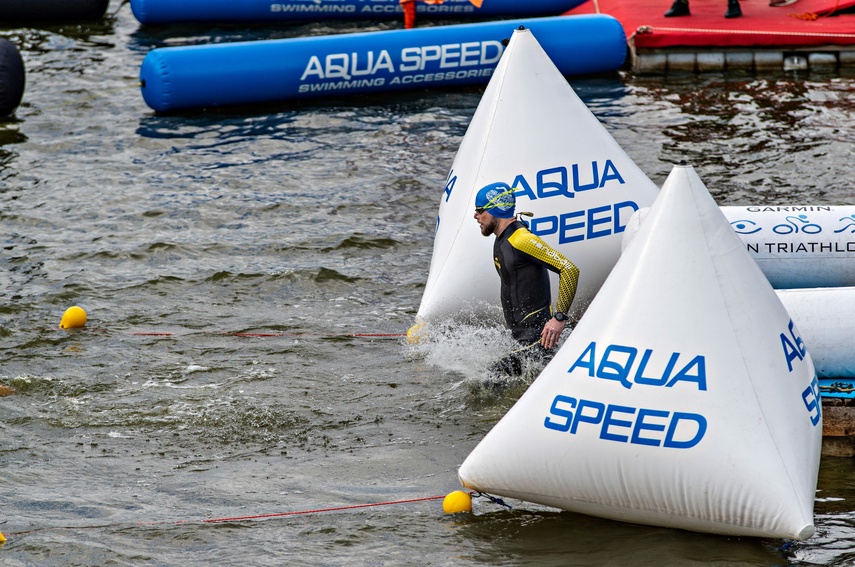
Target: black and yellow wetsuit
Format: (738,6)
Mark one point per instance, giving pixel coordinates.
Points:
(522,260)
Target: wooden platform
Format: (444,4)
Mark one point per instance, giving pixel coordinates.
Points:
(838,427)
(810,34)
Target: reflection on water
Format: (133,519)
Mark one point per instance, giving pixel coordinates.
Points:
(557,539)
(225,259)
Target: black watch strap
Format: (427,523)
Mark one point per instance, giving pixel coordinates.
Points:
(559,316)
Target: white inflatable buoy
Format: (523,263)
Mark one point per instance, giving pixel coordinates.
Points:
(684,398)
(801,246)
(826,318)
(532,132)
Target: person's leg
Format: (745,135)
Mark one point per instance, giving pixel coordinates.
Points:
(510,365)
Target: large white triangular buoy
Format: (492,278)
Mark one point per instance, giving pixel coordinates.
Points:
(532,132)
(683,398)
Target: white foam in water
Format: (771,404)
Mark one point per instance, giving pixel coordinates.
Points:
(683,398)
(469,345)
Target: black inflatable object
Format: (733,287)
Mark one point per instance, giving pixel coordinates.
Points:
(52,10)
(12,77)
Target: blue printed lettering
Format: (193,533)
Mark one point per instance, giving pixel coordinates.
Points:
(560,411)
(617,370)
(700,377)
(449,185)
(642,425)
(793,349)
(618,361)
(554,182)
(610,421)
(610,173)
(555,188)
(582,418)
(593,221)
(640,378)
(621,221)
(626,424)
(568,224)
(586,359)
(544,225)
(598,180)
(576,226)
(595,184)
(670,440)
(813,402)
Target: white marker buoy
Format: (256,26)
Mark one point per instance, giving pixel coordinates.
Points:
(685,396)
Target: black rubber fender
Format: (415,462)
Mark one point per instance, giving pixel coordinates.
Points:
(52,10)
(12,77)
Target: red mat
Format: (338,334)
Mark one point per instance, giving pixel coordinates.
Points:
(805,23)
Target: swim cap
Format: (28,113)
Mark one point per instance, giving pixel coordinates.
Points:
(497,199)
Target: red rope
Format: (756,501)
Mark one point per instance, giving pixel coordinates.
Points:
(315,335)
(334,509)
(812,16)
(352,335)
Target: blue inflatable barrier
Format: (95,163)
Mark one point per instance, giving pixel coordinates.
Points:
(206,76)
(12,77)
(190,11)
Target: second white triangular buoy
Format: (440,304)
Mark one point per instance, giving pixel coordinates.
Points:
(684,398)
(533,133)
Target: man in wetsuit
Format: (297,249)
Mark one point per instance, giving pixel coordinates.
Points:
(523,261)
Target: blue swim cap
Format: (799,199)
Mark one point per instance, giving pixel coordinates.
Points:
(497,199)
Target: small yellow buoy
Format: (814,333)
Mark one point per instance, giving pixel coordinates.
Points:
(416,333)
(2,539)
(73,318)
(457,501)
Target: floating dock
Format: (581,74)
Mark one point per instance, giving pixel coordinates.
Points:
(816,35)
(838,416)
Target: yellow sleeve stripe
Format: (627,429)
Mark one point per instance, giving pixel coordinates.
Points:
(568,274)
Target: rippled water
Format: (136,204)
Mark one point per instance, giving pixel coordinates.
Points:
(227,259)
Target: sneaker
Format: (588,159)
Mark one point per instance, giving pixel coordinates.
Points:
(678,9)
(733,9)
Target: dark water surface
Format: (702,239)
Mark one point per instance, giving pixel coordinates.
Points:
(225,258)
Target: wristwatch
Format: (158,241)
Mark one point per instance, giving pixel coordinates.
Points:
(559,316)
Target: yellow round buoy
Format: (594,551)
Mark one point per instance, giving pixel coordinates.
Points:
(457,501)
(2,539)
(73,318)
(416,333)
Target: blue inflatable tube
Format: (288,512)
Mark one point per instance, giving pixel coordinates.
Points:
(208,76)
(12,77)
(229,11)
